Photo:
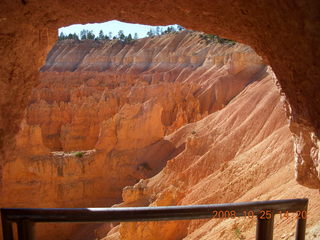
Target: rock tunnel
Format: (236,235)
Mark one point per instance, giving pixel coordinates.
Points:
(285,34)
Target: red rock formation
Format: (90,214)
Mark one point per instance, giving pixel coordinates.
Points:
(182,75)
(285,34)
(116,103)
(240,153)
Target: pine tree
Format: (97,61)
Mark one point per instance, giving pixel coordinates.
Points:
(170,29)
(135,36)
(121,35)
(90,35)
(101,35)
(75,36)
(129,38)
(61,36)
(180,28)
(83,34)
(157,30)
(150,33)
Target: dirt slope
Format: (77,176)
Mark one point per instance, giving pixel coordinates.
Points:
(243,152)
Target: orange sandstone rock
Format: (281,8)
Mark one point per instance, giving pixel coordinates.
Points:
(285,35)
(116,103)
(240,153)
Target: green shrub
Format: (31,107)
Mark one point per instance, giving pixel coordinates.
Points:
(211,38)
(79,154)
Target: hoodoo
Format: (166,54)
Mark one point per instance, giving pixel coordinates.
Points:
(167,120)
(285,34)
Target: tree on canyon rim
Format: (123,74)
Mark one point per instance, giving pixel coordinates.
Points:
(86,34)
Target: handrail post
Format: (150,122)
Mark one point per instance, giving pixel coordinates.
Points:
(7,230)
(264,229)
(301,223)
(25,230)
(301,228)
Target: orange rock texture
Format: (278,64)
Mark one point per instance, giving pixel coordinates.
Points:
(285,34)
(241,153)
(100,118)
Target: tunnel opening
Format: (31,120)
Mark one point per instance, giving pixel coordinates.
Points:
(169,115)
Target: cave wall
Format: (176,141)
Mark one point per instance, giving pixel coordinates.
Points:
(284,33)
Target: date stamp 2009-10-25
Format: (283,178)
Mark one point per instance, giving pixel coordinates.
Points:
(263,214)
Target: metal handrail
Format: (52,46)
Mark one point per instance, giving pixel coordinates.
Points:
(263,210)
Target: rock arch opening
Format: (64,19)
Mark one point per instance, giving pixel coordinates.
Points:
(110,112)
(23,56)
(26,56)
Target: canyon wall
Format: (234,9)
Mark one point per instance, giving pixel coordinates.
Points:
(285,34)
(169,120)
(99,118)
(241,153)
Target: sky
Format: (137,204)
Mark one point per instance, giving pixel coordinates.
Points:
(112,26)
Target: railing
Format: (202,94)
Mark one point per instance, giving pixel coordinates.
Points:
(263,210)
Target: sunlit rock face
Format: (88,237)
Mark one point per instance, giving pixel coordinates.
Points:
(99,119)
(285,35)
(241,153)
(85,83)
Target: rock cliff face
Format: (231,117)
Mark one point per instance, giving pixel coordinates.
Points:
(285,34)
(205,120)
(241,153)
(102,116)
